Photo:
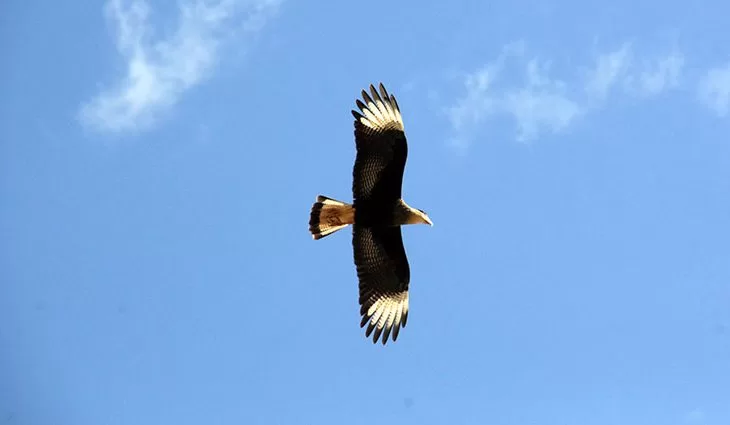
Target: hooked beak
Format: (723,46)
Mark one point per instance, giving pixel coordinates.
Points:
(427,220)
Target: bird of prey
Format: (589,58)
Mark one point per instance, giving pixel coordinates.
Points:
(376,214)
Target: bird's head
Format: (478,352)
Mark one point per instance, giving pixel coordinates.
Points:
(422,217)
(406,214)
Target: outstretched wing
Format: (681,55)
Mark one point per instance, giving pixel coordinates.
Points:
(383,272)
(381,147)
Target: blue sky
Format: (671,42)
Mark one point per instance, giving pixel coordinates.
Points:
(159,160)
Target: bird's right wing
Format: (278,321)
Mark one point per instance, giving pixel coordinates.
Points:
(381,147)
(384,275)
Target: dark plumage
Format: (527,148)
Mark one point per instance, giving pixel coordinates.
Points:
(376,214)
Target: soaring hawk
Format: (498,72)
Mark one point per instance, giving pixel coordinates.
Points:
(376,214)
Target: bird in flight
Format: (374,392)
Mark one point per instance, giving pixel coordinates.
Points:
(376,214)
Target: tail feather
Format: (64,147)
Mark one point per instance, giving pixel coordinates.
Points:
(328,216)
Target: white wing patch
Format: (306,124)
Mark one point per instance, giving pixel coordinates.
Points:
(379,112)
(387,314)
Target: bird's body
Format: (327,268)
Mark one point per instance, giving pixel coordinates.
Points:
(376,214)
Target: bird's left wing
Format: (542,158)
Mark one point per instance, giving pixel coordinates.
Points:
(384,275)
(381,147)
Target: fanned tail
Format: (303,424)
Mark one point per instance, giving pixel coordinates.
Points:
(328,216)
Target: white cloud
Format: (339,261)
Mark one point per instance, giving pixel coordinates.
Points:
(695,417)
(621,69)
(478,102)
(662,75)
(714,89)
(610,69)
(541,102)
(159,71)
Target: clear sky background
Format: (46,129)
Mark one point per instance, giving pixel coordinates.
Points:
(159,159)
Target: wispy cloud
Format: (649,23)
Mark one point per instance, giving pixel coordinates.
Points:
(622,69)
(541,102)
(610,69)
(159,71)
(695,417)
(714,89)
(663,75)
